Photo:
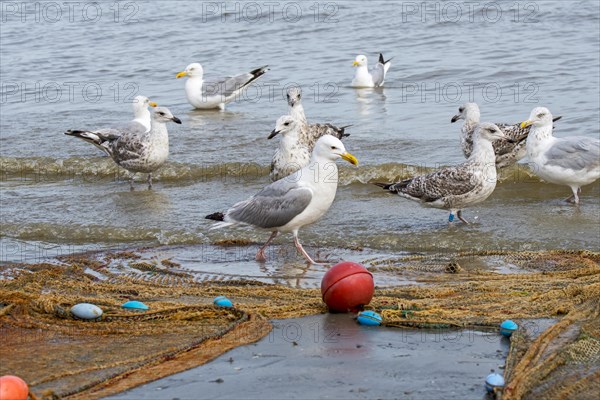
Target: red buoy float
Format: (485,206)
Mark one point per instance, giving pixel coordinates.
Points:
(347,286)
(13,388)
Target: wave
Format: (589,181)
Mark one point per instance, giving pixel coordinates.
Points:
(83,234)
(40,169)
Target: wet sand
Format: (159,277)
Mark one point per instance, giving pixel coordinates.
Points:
(331,356)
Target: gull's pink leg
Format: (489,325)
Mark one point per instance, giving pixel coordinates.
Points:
(301,250)
(260,255)
(459,215)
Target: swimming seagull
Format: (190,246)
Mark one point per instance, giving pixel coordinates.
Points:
(573,161)
(142,117)
(289,204)
(310,133)
(132,147)
(365,78)
(454,188)
(507,152)
(215,94)
(291,155)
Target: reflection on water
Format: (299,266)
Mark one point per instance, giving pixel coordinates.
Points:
(369,99)
(198,119)
(142,201)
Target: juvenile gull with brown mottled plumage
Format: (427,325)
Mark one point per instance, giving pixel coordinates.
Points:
(291,155)
(454,188)
(132,147)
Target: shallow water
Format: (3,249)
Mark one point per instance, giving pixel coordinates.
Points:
(332,357)
(62,71)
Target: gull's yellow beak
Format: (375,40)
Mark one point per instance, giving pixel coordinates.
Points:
(181,74)
(525,124)
(355,64)
(152,104)
(350,158)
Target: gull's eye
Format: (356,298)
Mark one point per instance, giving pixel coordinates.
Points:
(333,147)
(540,115)
(286,123)
(461,109)
(299,95)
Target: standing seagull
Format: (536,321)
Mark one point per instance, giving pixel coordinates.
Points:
(573,161)
(288,204)
(310,133)
(132,147)
(508,151)
(460,186)
(291,155)
(363,78)
(142,118)
(215,94)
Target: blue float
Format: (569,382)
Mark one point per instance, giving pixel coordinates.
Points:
(369,318)
(508,327)
(222,301)
(135,305)
(494,381)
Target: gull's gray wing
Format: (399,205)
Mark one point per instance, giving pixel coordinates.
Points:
(272,207)
(129,144)
(105,138)
(378,74)
(575,152)
(451,181)
(132,127)
(230,85)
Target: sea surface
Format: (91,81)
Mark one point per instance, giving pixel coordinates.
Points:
(66,65)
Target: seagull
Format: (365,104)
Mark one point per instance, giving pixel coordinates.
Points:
(573,161)
(215,94)
(289,204)
(310,133)
(507,152)
(132,147)
(368,79)
(142,117)
(140,111)
(454,188)
(291,155)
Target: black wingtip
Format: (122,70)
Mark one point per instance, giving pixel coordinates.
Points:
(556,118)
(218,216)
(382,61)
(386,186)
(259,71)
(342,131)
